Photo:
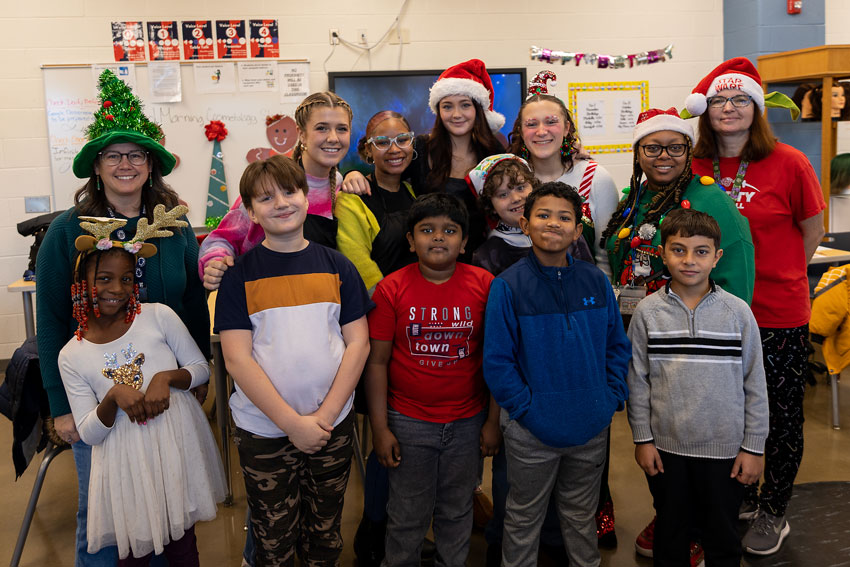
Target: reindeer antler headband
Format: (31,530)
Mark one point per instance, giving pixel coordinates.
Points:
(101,229)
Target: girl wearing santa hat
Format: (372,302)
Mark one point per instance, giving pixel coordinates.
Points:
(463,134)
(776,188)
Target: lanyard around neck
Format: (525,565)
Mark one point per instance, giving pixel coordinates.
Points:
(735,191)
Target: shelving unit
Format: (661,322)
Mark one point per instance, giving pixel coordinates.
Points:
(825,64)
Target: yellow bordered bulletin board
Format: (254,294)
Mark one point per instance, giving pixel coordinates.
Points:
(605,113)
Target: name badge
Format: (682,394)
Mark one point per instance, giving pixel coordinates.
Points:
(628,297)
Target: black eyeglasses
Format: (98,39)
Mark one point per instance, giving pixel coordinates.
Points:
(135,157)
(383,143)
(673,150)
(738,101)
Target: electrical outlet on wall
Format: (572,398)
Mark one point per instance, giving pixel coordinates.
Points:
(361,36)
(333,36)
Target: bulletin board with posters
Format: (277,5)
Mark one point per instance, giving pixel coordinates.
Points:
(606,113)
(71,99)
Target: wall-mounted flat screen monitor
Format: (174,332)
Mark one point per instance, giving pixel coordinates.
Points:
(406,92)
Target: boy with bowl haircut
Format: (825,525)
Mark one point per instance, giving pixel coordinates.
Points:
(555,359)
(698,407)
(426,395)
(292,320)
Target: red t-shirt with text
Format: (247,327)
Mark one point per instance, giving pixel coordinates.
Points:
(777,193)
(437,331)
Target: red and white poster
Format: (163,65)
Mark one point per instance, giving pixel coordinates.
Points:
(264,38)
(198,40)
(128,41)
(163,43)
(230,39)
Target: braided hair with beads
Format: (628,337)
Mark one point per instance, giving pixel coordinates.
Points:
(83,298)
(667,197)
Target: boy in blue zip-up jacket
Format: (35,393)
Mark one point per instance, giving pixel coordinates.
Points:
(555,359)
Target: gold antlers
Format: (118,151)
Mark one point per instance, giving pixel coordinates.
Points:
(161,219)
(101,227)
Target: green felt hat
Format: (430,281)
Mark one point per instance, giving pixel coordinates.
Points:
(120,120)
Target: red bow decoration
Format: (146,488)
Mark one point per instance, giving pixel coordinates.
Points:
(215,130)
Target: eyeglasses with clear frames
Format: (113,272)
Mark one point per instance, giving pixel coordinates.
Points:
(738,101)
(135,157)
(383,143)
(673,150)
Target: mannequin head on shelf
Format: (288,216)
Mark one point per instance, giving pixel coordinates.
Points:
(802,98)
(839,108)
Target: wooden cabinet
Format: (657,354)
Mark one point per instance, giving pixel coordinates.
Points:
(823,64)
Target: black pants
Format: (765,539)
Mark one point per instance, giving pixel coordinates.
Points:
(696,493)
(785,359)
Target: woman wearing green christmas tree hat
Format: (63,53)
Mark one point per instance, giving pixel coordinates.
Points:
(124,165)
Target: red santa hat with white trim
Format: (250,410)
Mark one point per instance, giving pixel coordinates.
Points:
(469,78)
(738,73)
(657,120)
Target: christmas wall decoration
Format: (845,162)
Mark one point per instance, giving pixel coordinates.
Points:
(602,61)
(217,204)
(282,135)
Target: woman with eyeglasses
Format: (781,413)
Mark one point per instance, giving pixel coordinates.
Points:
(372,228)
(124,164)
(663,145)
(776,188)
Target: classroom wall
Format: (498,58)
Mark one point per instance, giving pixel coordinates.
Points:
(838,33)
(442,32)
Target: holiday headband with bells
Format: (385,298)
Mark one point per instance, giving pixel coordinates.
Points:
(119,119)
(537,85)
(738,74)
(101,228)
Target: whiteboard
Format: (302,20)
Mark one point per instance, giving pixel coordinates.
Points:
(71,99)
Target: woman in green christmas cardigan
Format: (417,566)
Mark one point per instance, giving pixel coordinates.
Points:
(663,145)
(124,165)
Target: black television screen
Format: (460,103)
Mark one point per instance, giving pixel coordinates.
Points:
(406,92)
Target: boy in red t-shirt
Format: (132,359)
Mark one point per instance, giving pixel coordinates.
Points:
(427,399)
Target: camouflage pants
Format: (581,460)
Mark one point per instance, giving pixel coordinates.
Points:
(295,498)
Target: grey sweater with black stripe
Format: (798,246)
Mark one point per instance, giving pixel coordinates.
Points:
(696,379)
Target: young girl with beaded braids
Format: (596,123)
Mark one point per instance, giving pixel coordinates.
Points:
(155,468)
(323,122)
(663,148)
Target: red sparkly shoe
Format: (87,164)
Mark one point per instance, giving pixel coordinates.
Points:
(605,534)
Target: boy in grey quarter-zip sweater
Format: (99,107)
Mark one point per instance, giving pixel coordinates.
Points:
(698,401)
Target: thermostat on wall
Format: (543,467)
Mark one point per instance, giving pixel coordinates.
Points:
(37,204)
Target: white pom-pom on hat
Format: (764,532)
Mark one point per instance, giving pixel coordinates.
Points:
(696,103)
